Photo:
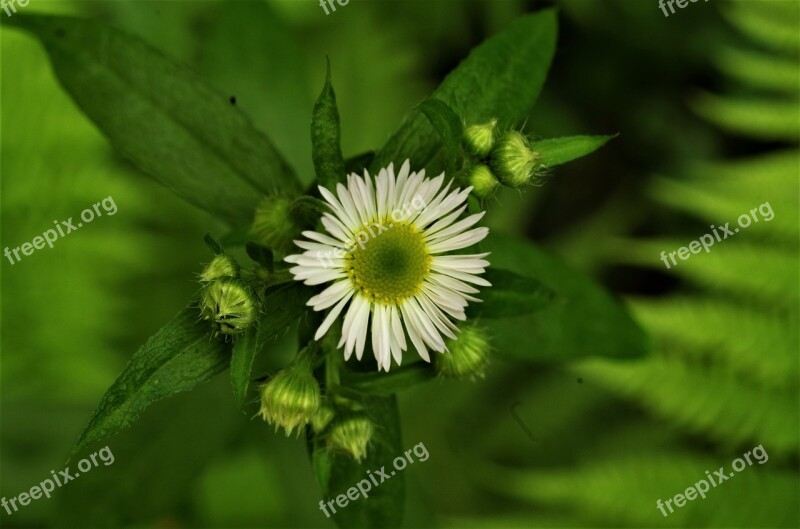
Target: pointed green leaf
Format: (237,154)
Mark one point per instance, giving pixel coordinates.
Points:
(326,137)
(555,151)
(389,383)
(284,303)
(260,254)
(448,126)
(500,79)
(244,353)
(163,117)
(583,321)
(510,295)
(181,355)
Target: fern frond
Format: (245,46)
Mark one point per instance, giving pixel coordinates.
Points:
(753,344)
(707,399)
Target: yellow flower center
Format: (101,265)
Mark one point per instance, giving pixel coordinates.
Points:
(391,265)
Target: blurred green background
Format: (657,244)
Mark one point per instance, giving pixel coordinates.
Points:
(707,105)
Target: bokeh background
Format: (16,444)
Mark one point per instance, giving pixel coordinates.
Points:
(707,107)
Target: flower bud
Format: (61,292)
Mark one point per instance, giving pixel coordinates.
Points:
(468,355)
(482,180)
(221,266)
(273,224)
(513,160)
(291,398)
(322,418)
(351,434)
(228,305)
(479,139)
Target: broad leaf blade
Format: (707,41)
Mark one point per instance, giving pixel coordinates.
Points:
(584,321)
(555,151)
(284,303)
(336,473)
(326,137)
(448,125)
(163,117)
(396,380)
(181,355)
(500,79)
(244,353)
(511,295)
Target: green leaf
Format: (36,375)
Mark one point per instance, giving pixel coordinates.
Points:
(707,399)
(283,304)
(389,383)
(510,295)
(584,321)
(336,473)
(163,117)
(764,119)
(555,151)
(326,137)
(244,353)
(358,163)
(181,355)
(260,254)
(500,79)
(448,126)
(759,69)
(212,243)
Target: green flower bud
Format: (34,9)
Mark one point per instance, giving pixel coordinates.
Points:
(482,180)
(513,161)
(322,418)
(274,225)
(221,266)
(351,434)
(228,305)
(291,398)
(479,139)
(468,356)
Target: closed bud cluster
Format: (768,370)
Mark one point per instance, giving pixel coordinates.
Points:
(221,266)
(468,356)
(513,161)
(482,180)
(291,398)
(351,434)
(228,305)
(479,139)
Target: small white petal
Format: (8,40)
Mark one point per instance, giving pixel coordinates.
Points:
(456,228)
(330,295)
(460,241)
(413,334)
(332,315)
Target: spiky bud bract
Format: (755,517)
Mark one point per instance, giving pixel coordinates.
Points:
(479,139)
(513,160)
(482,180)
(351,434)
(291,398)
(468,354)
(228,305)
(220,266)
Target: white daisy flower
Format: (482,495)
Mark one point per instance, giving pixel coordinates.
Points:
(384,255)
